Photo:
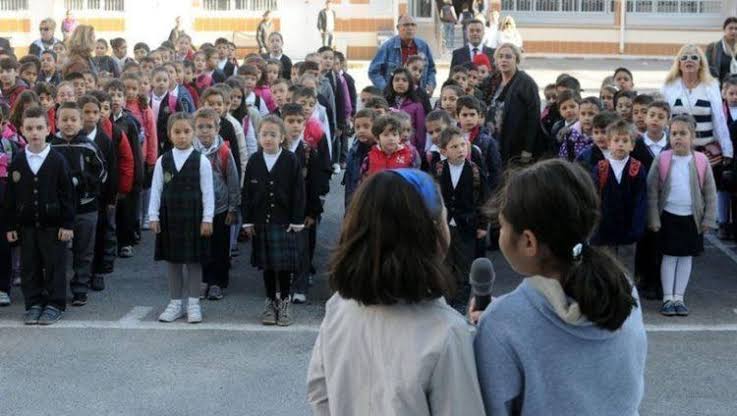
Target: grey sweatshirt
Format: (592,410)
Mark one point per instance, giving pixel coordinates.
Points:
(225,181)
(537,355)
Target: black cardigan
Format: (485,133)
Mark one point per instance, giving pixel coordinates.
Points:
(276,197)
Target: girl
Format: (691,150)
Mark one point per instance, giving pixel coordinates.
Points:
(273,212)
(568,102)
(580,136)
(273,69)
(262,85)
(181,214)
(188,81)
(390,280)
(248,117)
(449,95)
(623,104)
(203,77)
(623,79)
(606,95)
(405,136)
(578,306)
(401,95)
(680,209)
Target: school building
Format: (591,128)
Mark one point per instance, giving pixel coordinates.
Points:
(561,27)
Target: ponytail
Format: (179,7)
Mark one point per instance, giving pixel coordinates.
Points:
(598,282)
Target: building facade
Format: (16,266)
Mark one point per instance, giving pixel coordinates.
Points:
(567,27)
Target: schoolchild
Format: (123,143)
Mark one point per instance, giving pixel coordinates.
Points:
(598,150)
(578,137)
(363,141)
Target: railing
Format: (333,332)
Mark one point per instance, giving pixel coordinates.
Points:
(252,5)
(674,6)
(556,6)
(105,5)
(13,5)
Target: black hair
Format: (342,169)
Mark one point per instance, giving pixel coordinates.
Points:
(391,95)
(373,91)
(568,95)
(44,88)
(141,45)
(88,99)
(384,122)
(557,202)
(728,21)
(101,96)
(325,49)
(439,115)
(625,70)
(379,102)
(308,66)
(643,99)
(470,102)
(570,83)
(663,105)
(36,111)
(292,109)
(72,76)
(604,119)
(181,115)
(624,94)
(447,135)
(366,113)
(595,101)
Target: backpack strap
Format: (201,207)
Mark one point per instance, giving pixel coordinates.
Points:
(223,153)
(603,171)
(172,102)
(664,164)
(635,167)
(702,163)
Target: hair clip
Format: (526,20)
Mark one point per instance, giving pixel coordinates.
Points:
(577,253)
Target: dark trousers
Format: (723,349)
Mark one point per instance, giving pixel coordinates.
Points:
(5,265)
(125,219)
(216,270)
(459,258)
(647,262)
(105,242)
(301,282)
(83,248)
(327,38)
(43,265)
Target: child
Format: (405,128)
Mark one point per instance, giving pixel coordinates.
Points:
(449,95)
(216,99)
(226,185)
(680,210)
(464,192)
(103,61)
(405,134)
(280,92)
(379,105)
(416,65)
(163,103)
(435,123)
(401,95)
(273,70)
(470,119)
(88,174)
(389,153)
(273,212)
(65,93)
(305,97)
(579,137)
(729,95)
(10,85)
(49,72)
(180,93)
(250,76)
(640,106)
(29,74)
(459,74)
(598,150)
(623,104)
(606,95)
(647,147)
(39,212)
(624,80)
(188,81)
(248,117)
(483,64)
(78,83)
(181,214)
(621,181)
(551,98)
(363,141)
(223,63)
(568,106)
(368,93)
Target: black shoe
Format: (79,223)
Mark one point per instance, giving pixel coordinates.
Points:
(32,314)
(79,299)
(49,316)
(97,283)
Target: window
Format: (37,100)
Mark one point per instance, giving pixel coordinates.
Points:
(13,5)
(251,5)
(555,6)
(674,6)
(96,5)
(421,8)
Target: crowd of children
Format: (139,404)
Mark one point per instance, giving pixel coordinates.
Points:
(206,151)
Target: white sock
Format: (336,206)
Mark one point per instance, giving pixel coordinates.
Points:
(677,298)
(668,276)
(177,302)
(193,301)
(668,298)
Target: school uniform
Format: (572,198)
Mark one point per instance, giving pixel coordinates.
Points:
(591,156)
(126,212)
(164,106)
(227,132)
(38,202)
(105,242)
(352,174)
(492,166)
(464,193)
(274,199)
(89,175)
(286,64)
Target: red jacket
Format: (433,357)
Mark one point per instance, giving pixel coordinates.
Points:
(10,95)
(313,132)
(379,161)
(124,154)
(148,124)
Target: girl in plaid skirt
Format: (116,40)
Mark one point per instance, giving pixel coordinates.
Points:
(273,215)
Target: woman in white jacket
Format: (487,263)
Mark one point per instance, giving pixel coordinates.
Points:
(389,344)
(507,33)
(690,89)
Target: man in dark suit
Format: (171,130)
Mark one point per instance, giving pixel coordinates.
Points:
(475,34)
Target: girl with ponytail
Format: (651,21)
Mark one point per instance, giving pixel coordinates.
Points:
(570,338)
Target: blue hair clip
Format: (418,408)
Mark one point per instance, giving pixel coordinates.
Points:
(424,185)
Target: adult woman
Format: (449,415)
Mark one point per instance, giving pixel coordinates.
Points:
(492,27)
(514,106)
(388,341)
(569,340)
(80,45)
(262,32)
(722,53)
(68,25)
(508,33)
(690,89)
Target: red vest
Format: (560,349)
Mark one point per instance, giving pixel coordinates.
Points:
(379,161)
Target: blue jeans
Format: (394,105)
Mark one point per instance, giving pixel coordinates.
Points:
(448,35)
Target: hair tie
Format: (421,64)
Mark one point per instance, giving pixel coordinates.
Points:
(577,252)
(424,185)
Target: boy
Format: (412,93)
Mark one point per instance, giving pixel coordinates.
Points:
(469,113)
(464,193)
(623,104)
(49,71)
(280,92)
(379,105)
(88,176)
(449,95)
(647,147)
(140,51)
(389,153)
(10,85)
(215,98)
(436,123)
(640,107)
(598,150)
(313,167)
(65,93)
(578,137)
(39,212)
(362,143)
(47,98)
(621,181)
(224,64)
(368,93)
(250,78)
(120,52)
(305,97)
(104,246)
(226,185)
(78,83)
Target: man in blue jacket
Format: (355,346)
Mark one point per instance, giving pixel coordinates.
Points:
(395,51)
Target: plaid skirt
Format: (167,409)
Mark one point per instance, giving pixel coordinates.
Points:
(276,249)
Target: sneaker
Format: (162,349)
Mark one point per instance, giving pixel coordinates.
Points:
(203,290)
(336,168)
(194,313)
(284,316)
(668,308)
(49,316)
(268,316)
(214,293)
(680,308)
(97,283)
(4,299)
(126,252)
(172,312)
(79,299)
(299,298)
(32,314)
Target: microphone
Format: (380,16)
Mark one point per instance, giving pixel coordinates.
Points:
(482,280)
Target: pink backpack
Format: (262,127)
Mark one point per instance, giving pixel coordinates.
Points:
(702,163)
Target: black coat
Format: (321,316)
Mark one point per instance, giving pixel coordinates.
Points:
(109,190)
(44,200)
(87,167)
(351,84)
(162,120)
(227,132)
(310,163)
(464,202)
(642,153)
(462,56)
(276,197)
(339,99)
(286,65)
(129,125)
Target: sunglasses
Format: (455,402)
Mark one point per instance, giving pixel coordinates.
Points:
(694,58)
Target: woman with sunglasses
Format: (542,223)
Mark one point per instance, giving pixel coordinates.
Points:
(690,89)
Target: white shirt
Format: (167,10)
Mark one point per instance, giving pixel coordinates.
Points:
(35,160)
(479,50)
(156,104)
(251,101)
(91,135)
(618,167)
(679,198)
(656,147)
(221,63)
(270,160)
(455,173)
(206,186)
(435,148)
(733,112)
(295,143)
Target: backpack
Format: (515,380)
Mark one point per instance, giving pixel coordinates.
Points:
(666,156)
(603,171)
(446,14)
(224,157)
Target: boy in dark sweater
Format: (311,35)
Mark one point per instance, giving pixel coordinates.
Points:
(597,151)
(39,212)
(89,175)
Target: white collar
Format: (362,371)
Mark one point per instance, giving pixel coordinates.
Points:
(274,156)
(276,57)
(42,154)
(480,48)
(157,97)
(650,142)
(293,146)
(91,135)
